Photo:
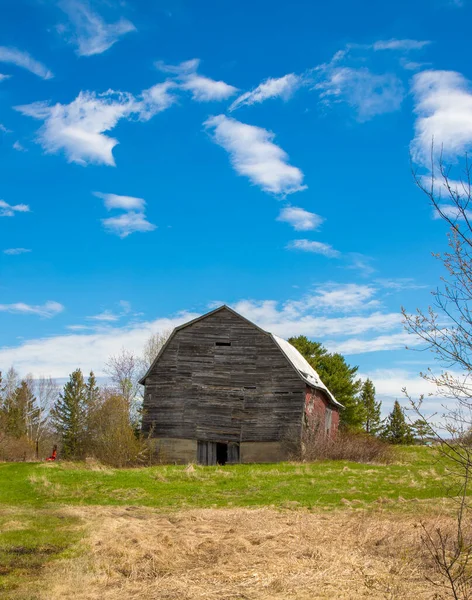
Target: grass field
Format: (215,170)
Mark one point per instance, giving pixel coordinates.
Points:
(150,530)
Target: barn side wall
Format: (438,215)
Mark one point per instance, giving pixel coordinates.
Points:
(204,389)
(316,405)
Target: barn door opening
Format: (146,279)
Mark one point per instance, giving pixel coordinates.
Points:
(221,453)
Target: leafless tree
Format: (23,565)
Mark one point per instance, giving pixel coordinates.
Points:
(153,346)
(125,370)
(46,392)
(446,330)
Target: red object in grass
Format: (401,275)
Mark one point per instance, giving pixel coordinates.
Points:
(53,455)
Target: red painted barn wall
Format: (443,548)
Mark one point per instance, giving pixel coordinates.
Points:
(316,404)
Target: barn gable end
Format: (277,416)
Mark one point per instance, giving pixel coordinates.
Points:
(223,385)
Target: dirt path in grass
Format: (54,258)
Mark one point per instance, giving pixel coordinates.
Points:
(220,554)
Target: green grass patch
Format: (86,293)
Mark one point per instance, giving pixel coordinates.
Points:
(418,474)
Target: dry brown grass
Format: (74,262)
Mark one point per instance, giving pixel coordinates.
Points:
(245,554)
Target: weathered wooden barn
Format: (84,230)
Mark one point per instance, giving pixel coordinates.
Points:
(222,390)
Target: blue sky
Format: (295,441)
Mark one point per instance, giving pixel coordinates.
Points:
(160,158)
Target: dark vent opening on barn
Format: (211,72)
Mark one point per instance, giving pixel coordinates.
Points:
(222,343)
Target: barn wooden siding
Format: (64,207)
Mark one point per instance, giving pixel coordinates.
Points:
(221,379)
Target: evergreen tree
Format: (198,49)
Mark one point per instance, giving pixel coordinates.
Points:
(93,391)
(397,430)
(422,429)
(372,420)
(18,408)
(70,416)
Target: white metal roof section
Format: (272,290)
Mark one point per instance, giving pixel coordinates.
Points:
(306,371)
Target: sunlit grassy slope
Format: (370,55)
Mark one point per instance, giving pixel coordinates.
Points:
(417,473)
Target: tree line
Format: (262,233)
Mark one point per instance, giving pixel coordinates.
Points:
(83,418)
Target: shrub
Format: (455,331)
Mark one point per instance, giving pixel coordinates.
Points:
(345,445)
(15,449)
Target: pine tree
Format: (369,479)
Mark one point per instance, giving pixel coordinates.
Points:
(19,412)
(338,376)
(372,420)
(397,430)
(70,416)
(93,391)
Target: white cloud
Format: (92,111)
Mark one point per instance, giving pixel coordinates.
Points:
(396,341)
(17,146)
(360,262)
(331,311)
(3,77)
(444,112)
(411,65)
(93,35)
(184,68)
(203,89)
(59,355)
(287,321)
(156,99)
(336,297)
(9,210)
(451,212)
(48,309)
(299,218)
(16,251)
(106,316)
(128,223)
(315,247)
(79,128)
(123,202)
(131,221)
(22,59)
(253,154)
(368,93)
(395,44)
(282,87)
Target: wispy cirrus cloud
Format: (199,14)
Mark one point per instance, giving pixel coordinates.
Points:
(254,155)
(332,297)
(131,221)
(443,105)
(370,94)
(299,218)
(92,34)
(9,210)
(106,316)
(22,59)
(281,87)
(405,44)
(16,251)
(314,247)
(47,310)
(203,89)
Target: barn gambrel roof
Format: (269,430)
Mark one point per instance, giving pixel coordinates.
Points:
(305,371)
